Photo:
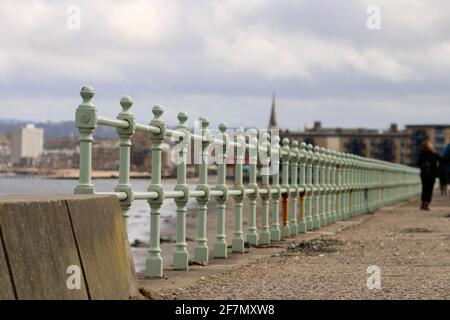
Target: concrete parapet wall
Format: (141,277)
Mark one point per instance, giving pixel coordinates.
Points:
(42,236)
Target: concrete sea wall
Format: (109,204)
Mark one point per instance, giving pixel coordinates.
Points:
(46,242)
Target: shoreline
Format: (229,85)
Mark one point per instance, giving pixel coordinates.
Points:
(69,174)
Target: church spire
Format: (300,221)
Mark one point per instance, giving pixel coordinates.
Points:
(273,117)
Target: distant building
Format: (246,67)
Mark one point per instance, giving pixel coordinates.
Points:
(27,144)
(392,144)
(60,158)
(388,145)
(5,151)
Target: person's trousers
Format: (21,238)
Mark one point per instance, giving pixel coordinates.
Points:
(427,188)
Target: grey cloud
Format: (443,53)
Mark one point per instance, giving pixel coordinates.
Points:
(223,59)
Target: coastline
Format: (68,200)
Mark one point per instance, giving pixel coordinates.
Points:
(68,173)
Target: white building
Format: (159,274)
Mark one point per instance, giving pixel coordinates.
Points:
(27,144)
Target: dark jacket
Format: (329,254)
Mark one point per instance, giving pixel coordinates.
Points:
(446,157)
(428,163)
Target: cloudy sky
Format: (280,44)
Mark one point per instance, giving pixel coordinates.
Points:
(224,59)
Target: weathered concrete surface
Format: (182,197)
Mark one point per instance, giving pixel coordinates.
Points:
(175,281)
(42,239)
(40,246)
(103,247)
(411,247)
(6,287)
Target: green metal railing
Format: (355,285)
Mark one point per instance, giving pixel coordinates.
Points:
(318,186)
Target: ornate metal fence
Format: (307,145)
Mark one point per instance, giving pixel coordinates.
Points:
(318,186)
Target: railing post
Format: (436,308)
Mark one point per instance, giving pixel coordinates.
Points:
(327,181)
(275,232)
(333,186)
(362,189)
(339,187)
(154,262)
(387,188)
(383,187)
(264,235)
(389,185)
(379,185)
(181,254)
(328,187)
(369,182)
(252,232)
(220,245)
(351,185)
(293,201)
(364,186)
(238,235)
(357,185)
(376,185)
(392,179)
(359,198)
(125,136)
(302,227)
(309,200)
(86,121)
(285,228)
(323,187)
(201,249)
(345,181)
(363,173)
(318,182)
(342,185)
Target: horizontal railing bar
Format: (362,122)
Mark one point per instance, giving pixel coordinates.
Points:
(216,193)
(145,195)
(116,123)
(173,194)
(219,193)
(220,142)
(175,133)
(249,191)
(148,128)
(120,195)
(196,137)
(196,193)
(234,192)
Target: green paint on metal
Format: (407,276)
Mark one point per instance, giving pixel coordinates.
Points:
(320,186)
(252,232)
(154,262)
(181,255)
(238,235)
(220,245)
(275,232)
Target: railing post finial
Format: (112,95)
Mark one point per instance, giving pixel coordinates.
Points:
(125,135)
(86,121)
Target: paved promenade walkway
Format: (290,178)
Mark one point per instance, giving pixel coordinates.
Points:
(411,247)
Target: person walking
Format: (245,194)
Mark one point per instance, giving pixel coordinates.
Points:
(428,163)
(443,178)
(444,170)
